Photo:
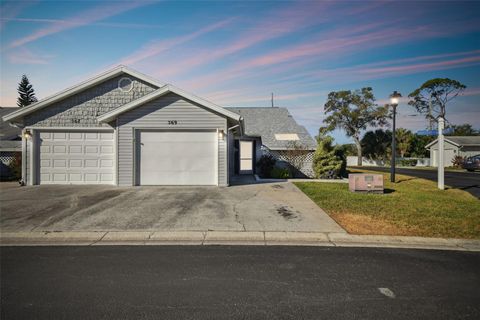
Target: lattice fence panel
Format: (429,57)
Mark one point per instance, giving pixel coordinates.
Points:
(305,170)
(7,157)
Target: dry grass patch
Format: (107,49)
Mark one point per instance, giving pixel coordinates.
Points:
(412,206)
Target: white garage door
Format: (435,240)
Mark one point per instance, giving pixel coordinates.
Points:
(178,158)
(76,158)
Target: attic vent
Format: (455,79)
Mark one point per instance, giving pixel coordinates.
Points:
(125,84)
(286,136)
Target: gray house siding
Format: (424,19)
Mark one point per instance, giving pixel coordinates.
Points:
(82,109)
(155,115)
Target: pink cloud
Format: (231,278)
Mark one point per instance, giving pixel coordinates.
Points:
(84,18)
(158,47)
(101,24)
(334,43)
(242,96)
(277,24)
(25,56)
(421,67)
(471,91)
(10,10)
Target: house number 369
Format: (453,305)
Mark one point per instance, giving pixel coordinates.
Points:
(172,122)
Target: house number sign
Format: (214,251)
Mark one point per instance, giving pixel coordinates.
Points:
(172,122)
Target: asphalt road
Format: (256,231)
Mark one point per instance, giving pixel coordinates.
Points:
(468,181)
(218,282)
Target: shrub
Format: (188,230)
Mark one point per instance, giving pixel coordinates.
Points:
(15,167)
(408,162)
(266,164)
(326,161)
(457,161)
(280,173)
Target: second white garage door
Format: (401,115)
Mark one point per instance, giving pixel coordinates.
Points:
(178,158)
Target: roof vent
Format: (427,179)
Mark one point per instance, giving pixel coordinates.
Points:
(286,136)
(125,84)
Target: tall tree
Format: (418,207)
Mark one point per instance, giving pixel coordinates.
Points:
(26,94)
(464,130)
(433,96)
(417,146)
(404,139)
(377,144)
(354,111)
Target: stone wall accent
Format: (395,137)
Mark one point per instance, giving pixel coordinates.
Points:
(82,109)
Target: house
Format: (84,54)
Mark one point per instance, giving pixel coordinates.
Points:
(125,128)
(10,143)
(464,146)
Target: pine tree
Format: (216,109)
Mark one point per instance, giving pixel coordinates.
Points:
(25,92)
(326,162)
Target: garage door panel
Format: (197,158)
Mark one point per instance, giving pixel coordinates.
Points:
(76,158)
(178,158)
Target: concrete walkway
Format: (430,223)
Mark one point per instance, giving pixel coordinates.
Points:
(231,238)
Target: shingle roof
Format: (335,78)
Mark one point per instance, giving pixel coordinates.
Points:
(7,132)
(465,140)
(461,141)
(266,122)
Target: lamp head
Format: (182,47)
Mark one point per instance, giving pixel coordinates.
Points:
(395,98)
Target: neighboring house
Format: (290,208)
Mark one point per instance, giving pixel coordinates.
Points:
(465,146)
(10,143)
(125,128)
(271,131)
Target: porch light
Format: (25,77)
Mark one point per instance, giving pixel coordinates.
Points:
(221,134)
(27,134)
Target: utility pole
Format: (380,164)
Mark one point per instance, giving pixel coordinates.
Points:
(440,141)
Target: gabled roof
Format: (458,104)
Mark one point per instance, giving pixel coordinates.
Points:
(274,126)
(459,141)
(8,132)
(80,87)
(109,116)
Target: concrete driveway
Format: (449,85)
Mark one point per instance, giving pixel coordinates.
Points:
(254,207)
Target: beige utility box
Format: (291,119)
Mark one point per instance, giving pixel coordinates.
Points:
(365,182)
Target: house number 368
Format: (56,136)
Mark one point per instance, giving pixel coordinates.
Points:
(172,122)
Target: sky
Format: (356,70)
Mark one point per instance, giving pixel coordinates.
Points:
(236,53)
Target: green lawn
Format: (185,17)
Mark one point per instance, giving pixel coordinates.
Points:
(412,206)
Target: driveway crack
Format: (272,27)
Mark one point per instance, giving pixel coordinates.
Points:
(235,210)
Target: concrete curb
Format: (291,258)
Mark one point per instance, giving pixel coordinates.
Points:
(267,238)
(273,180)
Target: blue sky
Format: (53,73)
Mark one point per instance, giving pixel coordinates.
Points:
(237,53)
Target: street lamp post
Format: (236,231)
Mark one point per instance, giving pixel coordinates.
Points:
(394,98)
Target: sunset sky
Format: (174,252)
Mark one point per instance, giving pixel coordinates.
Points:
(237,53)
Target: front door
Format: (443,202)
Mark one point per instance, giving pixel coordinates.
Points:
(246,157)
